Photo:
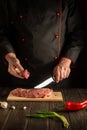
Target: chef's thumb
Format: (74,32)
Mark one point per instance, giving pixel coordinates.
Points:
(19,67)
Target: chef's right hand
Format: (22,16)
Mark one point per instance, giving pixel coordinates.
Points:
(15,68)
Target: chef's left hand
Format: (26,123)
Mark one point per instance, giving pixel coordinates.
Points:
(62,70)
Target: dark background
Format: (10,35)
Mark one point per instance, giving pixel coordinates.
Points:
(79,71)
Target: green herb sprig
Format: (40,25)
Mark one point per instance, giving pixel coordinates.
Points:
(49,114)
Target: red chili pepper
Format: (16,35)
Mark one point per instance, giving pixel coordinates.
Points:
(74,106)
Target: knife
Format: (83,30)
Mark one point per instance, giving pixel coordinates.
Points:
(46,82)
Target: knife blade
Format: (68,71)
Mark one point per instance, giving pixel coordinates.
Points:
(45,83)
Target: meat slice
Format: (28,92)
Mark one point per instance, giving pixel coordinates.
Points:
(32,93)
(26,74)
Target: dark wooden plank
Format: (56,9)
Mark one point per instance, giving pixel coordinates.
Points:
(38,124)
(83,96)
(71,94)
(4,114)
(77,118)
(83,93)
(57,124)
(17,119)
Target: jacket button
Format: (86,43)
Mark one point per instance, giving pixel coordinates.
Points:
(21,16)
(57,14)
(26,59)
(57,36)
(23,39)
(55,58)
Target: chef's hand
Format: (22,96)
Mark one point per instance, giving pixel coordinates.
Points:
(15,68)
(62,70)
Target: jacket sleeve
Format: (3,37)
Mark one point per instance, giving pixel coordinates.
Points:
(74,32)
(5,44)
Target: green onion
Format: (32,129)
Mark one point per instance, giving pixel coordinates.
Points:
(48,114)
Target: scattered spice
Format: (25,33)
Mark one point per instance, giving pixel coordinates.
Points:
(25,107)
(13,107)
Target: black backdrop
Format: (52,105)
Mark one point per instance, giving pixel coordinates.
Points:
(78,72)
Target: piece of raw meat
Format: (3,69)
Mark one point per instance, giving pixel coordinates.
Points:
(26,74)
(32,93)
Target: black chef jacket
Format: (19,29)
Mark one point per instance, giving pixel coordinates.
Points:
(40,32)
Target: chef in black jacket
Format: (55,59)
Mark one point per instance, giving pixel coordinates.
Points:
(44,37)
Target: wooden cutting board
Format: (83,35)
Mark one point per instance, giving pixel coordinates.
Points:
(56,96)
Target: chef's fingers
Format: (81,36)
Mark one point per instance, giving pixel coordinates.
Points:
(68,72)
(63,73)
(14,61)
(18,75)
(18,65)
(56,74)
(15,72)
(24,72)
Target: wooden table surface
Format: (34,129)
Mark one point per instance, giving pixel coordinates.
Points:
(16,119)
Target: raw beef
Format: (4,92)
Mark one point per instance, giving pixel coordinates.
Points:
(32,93)
(26,74)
